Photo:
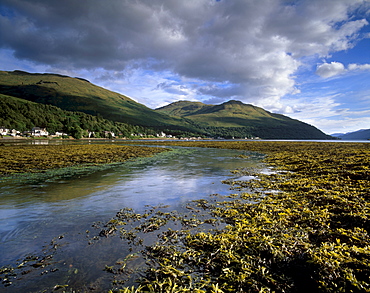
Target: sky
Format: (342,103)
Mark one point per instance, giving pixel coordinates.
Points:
(306,59)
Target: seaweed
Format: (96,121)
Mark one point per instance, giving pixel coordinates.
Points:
(312,234)
(31,162)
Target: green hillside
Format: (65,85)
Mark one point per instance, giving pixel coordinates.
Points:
(76,94)
(229,114)
(23,115)
(234,118)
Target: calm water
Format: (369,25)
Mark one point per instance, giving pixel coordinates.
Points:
(33,217)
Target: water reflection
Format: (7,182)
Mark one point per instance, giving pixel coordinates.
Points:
(31,215)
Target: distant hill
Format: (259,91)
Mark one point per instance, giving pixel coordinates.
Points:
(242,119)
(76,94)
(362,134)
(337,134)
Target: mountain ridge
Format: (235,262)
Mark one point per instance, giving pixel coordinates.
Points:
(230,119)
(235,114)
(362,134)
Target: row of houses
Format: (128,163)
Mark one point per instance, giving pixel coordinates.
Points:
(36,131)
(39,132)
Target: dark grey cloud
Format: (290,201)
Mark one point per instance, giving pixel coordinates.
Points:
(221,91)
(252,46)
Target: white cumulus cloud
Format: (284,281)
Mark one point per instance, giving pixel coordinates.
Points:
(330,69)
(358,66)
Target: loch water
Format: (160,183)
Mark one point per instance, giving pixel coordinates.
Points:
(36,217)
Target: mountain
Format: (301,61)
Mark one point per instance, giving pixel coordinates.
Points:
(362,134)
(230,119)
(76,94)
(229,114)
(242,119)
(337,134)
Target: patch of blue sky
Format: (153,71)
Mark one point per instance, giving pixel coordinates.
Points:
(172,77)
(345,82)
(7,12)
(359,54)
(9,62)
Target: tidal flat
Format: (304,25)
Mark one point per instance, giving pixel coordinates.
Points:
(22,162)
(301,227)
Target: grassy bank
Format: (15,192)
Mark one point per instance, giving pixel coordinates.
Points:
(303,228)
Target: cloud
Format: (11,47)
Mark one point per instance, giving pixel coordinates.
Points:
(220,90)
(330,69)
(358,66)
(249,49)
(173,88)
(341,125)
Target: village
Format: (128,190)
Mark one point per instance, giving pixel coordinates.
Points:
(35,132)
(42,132)
(39,132)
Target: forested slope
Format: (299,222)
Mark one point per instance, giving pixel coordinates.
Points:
(23,115)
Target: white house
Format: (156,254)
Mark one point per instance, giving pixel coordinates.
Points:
(60,133)
(109,134)
(38,131)
(14,132)
(3,131)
